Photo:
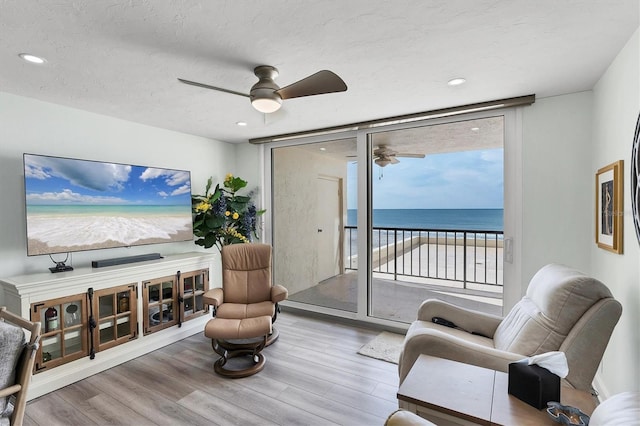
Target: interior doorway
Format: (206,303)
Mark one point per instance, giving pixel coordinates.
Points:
(329,214)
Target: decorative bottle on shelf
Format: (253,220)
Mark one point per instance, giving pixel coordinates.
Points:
(51,319)
(123,302)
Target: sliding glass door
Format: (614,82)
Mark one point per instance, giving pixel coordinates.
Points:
(370,223)
(437,217)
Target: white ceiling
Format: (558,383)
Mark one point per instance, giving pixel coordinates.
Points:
(122,58)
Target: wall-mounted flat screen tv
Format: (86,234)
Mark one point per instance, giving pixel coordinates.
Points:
(76,205)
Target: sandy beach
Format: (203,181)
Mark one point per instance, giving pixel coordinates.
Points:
(59,235)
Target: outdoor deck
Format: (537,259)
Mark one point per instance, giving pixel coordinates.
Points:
(415,268)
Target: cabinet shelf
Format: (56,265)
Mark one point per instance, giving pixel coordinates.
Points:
(159,314)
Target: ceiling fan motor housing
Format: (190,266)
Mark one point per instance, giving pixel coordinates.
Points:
(263,94)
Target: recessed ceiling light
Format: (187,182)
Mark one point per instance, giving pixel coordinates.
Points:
(241,123)
(456,81)
(475,129)
(323,149)
(32,58)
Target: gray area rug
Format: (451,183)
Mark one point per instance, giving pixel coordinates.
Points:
(385,346)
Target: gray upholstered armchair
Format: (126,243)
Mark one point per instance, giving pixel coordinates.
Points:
(563,310)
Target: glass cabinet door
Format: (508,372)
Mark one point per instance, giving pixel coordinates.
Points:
(193,285)
(65,330)
(115,313)
(160,304)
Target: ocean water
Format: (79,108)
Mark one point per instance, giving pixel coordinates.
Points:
(440,220)
(435,219)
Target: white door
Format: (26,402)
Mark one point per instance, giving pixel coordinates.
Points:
(329,224)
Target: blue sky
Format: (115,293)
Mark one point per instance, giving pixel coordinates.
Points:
(457,180)
(63,181)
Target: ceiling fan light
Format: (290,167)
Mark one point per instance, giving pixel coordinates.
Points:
(267,104)
(383,162)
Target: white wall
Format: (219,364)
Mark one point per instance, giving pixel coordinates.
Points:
(616,105)
(38,127)
(566,139)
(557,183)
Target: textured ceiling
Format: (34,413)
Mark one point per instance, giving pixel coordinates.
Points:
(122,58)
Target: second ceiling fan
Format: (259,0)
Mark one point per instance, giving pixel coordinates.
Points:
(266,96)
(383,156)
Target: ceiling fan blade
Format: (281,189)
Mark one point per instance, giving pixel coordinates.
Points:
(394,160)
(206,86)
(316,84)
(408,155)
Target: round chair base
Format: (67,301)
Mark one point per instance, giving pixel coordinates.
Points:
(228,349)
(219,367)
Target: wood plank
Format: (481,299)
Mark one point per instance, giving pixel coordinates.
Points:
(54,411)
(313,376)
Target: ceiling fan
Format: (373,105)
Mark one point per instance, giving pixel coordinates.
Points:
(266,96)
(383,156)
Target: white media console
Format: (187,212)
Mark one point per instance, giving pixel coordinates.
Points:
(136,307)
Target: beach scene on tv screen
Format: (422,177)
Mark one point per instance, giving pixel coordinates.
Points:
(75,205)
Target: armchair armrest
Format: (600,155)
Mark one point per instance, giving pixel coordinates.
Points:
(452,344)
(214,297)
(10,390)
(467,319)
(278,293)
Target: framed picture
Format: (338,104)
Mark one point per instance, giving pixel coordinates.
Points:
(609,208)
(635,179)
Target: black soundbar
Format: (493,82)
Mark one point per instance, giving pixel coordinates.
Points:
(122,260)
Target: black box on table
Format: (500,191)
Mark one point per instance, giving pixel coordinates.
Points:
(533,384)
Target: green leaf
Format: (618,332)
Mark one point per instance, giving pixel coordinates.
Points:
(236,206)
(209,182)
(242,199)
(209,240)
(235,184)
(214,222)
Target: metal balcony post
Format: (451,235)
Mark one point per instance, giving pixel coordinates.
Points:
(464,257)
(395,254)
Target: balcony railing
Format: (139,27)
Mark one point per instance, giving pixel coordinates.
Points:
(466,256)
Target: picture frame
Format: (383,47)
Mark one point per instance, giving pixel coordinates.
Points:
(635,179)
(609,207)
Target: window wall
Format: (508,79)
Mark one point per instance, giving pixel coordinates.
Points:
(328,195)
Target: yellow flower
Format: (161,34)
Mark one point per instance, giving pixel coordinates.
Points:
(228,177)
(236,234)
(227,213)
(203,206)
(235,216)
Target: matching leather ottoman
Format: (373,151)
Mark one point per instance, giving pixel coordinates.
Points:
(232,338)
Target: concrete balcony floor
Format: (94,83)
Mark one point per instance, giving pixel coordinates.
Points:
(399,300)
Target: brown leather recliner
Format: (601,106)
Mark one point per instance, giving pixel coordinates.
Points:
(244,308)
(247,291)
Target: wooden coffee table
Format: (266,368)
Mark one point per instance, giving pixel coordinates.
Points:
(452,393)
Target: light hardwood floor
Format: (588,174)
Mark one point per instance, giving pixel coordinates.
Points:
(313,376)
